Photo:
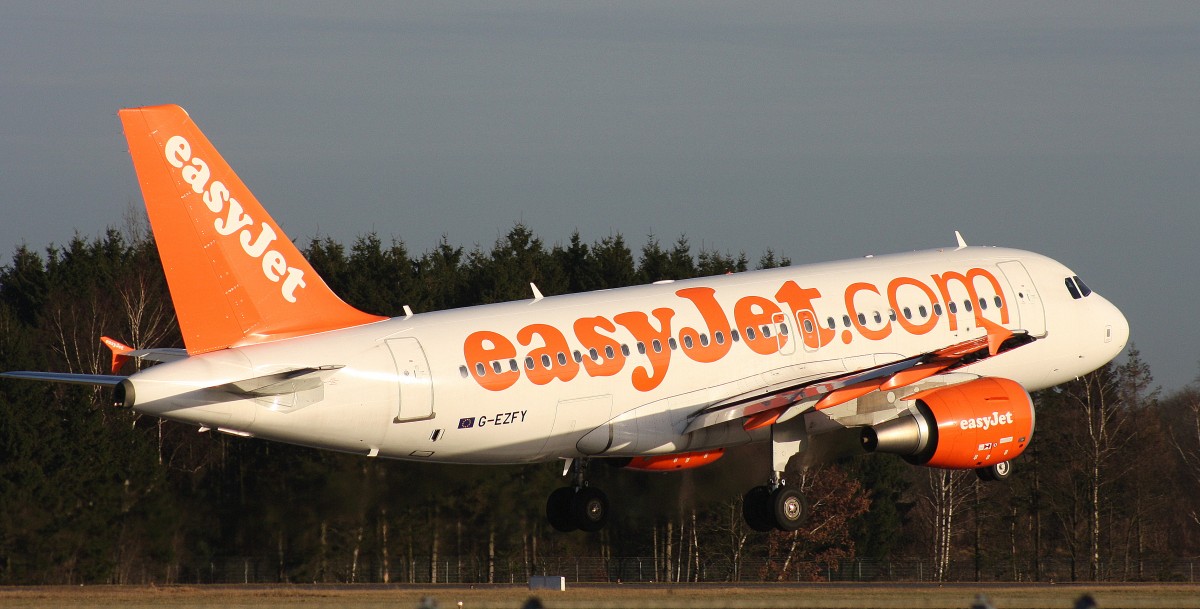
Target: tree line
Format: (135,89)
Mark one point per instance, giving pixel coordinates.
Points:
(90,493)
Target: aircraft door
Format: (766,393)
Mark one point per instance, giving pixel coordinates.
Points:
(1032,315)
(414,380)
(809,330)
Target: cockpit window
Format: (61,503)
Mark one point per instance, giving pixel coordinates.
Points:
(1083,289)
(1072,289)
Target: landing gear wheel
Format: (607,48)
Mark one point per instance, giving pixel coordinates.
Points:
(756,509)
(558,509)
(789,510)
(589,509)
(996,472)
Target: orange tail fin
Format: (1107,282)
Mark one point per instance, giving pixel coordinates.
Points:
(235,278)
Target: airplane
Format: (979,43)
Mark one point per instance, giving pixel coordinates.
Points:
(930,355)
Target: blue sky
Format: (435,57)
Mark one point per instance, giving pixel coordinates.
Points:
(821,130)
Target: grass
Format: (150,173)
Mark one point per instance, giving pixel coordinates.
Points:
(633,596)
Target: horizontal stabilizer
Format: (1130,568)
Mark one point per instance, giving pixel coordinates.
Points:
(281,383)
(106,380)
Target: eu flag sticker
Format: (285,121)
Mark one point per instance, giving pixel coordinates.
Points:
(466,423)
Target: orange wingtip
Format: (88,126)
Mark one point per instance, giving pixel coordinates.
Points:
(235,277)
(996,335)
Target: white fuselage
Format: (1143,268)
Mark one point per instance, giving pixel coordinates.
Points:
(471,386)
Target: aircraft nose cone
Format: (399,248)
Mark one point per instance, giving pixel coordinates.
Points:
(1116,328)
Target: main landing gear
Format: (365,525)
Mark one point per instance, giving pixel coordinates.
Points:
(780,508)
(577,507)
(775,505)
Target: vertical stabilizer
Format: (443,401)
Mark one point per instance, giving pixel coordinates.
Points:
(235,278)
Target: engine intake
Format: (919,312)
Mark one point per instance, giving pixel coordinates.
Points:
(963,426)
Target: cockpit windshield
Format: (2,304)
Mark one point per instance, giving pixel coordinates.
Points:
(1077,288)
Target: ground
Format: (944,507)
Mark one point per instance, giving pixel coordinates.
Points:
(677,596)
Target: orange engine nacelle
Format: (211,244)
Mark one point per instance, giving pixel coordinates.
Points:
(965,426)
(669,463)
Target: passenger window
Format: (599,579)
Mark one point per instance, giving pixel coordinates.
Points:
(999,303)
(479,369)
(808,327)
(512,365)
(462,370)
(578,356)
(625,350)
(953,307)
(529,363)
(846,321)
(982,304)
(546,361)
(562,358)
(937,309)
(923,311)
(674,344)
(641,347)
(594,354)
(878,318)
(749,333)
(657,346)
(892,314)
(766,331)
(609,353)
(862,319)
(734,335)
(907,313)
(687,342)
(783,329)
(496,367)
(967,306)
(720,337)
(832,324)
(703,340)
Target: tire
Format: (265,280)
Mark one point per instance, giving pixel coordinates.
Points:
(996,472)
(756,509)
(558,510)
(788,509)
(589,509)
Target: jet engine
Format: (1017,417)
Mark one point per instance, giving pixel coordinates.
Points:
(966,426)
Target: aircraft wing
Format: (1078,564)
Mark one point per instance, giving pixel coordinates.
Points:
(764,407)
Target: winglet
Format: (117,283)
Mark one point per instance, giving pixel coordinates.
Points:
(961,242)
(996,334)
(235,278)
(119,352)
